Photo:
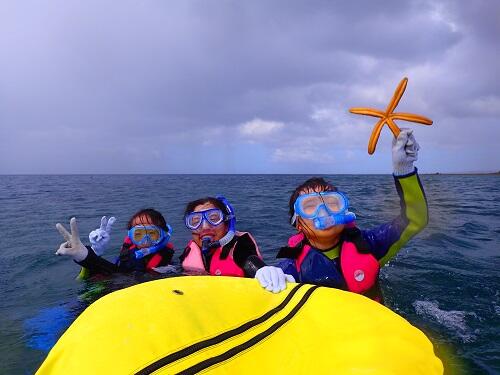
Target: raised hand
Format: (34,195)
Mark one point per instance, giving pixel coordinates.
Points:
(73,246)
(404,152)
(100,237)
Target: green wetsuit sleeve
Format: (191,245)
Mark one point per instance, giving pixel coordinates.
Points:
(387,239)
(84,274)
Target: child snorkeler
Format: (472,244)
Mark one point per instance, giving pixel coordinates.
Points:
(146,248)
(216,248)
(330,250)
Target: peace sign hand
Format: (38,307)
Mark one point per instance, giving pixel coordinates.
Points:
(99,238)
(73,246)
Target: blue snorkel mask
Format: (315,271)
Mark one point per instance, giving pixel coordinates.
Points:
(149,234)
(326,209)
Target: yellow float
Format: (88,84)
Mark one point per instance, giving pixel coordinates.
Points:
(226,325)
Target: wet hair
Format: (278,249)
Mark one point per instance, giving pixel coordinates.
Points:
(315,184)
(217,203)
(156,218)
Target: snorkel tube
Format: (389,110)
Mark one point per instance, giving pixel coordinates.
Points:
(325,222)
(205,242)
(165,237)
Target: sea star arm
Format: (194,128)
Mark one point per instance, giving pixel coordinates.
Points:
(411,117)
(372,144)
(397,96)
(367,112)
(394,128)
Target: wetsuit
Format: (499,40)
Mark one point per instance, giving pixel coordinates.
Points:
(126,261)
(383,242)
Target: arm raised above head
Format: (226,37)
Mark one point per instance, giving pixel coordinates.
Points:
(387,239)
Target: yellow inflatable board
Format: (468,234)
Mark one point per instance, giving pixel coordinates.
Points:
(227,325)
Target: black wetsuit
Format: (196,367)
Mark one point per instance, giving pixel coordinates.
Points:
(126,262)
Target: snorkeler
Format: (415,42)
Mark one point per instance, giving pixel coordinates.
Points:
(330,250)
(216,248)
(146,248)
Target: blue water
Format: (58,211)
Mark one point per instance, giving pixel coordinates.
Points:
(445,281)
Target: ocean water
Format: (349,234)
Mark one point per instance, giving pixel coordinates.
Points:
(445,281)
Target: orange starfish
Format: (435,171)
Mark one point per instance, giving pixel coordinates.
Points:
(388,116)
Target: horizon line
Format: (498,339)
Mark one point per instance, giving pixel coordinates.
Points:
(237,174)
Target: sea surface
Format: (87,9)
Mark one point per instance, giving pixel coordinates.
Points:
(445,281)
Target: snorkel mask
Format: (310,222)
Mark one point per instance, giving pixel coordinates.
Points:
(213,216)
(151,235)
(326,209)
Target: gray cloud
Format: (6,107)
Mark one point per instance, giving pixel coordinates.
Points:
(104,86)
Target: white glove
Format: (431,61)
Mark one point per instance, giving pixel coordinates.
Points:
(404,152)
(273,278)
(73,246)
(99,238)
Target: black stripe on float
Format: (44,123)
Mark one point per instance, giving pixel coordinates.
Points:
(217,339)
(256,339)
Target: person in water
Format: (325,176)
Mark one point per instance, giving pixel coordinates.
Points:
(217,248)
(146,248)
(328,248)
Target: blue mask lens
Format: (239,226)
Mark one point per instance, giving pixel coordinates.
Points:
(153,245)
(213,216)
(326,209)
(146,234)
(309,205)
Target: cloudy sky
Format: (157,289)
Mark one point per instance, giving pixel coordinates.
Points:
(244,86)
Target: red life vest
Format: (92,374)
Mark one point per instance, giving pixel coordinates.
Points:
(153,260)
(193,259)
(360,271)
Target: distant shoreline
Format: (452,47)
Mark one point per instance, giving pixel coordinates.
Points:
(462,174)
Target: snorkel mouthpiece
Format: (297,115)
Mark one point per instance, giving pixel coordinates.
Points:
(206,243)
(325,222)
(145,251)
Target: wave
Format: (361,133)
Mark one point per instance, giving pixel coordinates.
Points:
(453,320)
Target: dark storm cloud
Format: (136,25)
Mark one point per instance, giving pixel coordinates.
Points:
(108,77)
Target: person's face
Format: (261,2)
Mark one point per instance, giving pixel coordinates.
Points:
(206,229)
(307,227)
(142,220)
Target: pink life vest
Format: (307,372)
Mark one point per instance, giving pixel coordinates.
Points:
(360,270)
(193,260)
